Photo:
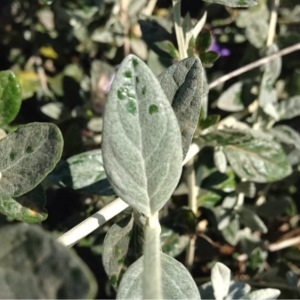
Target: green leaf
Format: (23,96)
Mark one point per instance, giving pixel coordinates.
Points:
(35,266)
(184,84)
(234,3)
(172,243)
(220,278)
(28,155)
(177,282)
(10,97)
(252,156)
(116,245)
(204,40)
(208,58)
(83,171)
(208,121)
(168,47)
(141,139)
(29,207)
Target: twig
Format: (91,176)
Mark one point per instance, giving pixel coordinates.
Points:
(106,213)
(254,65)
(273,22)
(192,197)
(93,222)
(284,244)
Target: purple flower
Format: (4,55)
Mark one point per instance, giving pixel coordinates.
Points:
(222,51)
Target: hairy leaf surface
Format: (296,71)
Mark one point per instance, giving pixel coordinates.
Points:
(184,84)
(141,139)
(220,278)
(34,266)
(28,155)
(177,282)
(10,97)
(252,156)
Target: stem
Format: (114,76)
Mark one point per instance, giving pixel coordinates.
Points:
(273,22)
(178,29)
(254,65)
(152,286)
(93,222)
(192,197)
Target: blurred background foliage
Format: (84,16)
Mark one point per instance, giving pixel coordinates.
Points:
(65,55)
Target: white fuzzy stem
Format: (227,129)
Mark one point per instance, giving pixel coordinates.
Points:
(152,287)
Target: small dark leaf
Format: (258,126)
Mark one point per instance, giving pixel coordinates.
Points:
(208,121)
(29,207)
(208,58)
(10,97)
(34,266)
(185,86)
(204,41)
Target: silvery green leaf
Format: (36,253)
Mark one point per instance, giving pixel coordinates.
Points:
(220,159)
(263,294)
(234,3)
(287,135)
(83,171)
(255,21)
(290,108)
(116,245)
(273,67)
(230,99)
(250,219)
(28,155)
(177,282)
(237,289)
(184,84)
(220,278)
(141,139)
(33,265)
(253,156)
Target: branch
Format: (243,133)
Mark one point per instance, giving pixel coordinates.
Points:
(254,65)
